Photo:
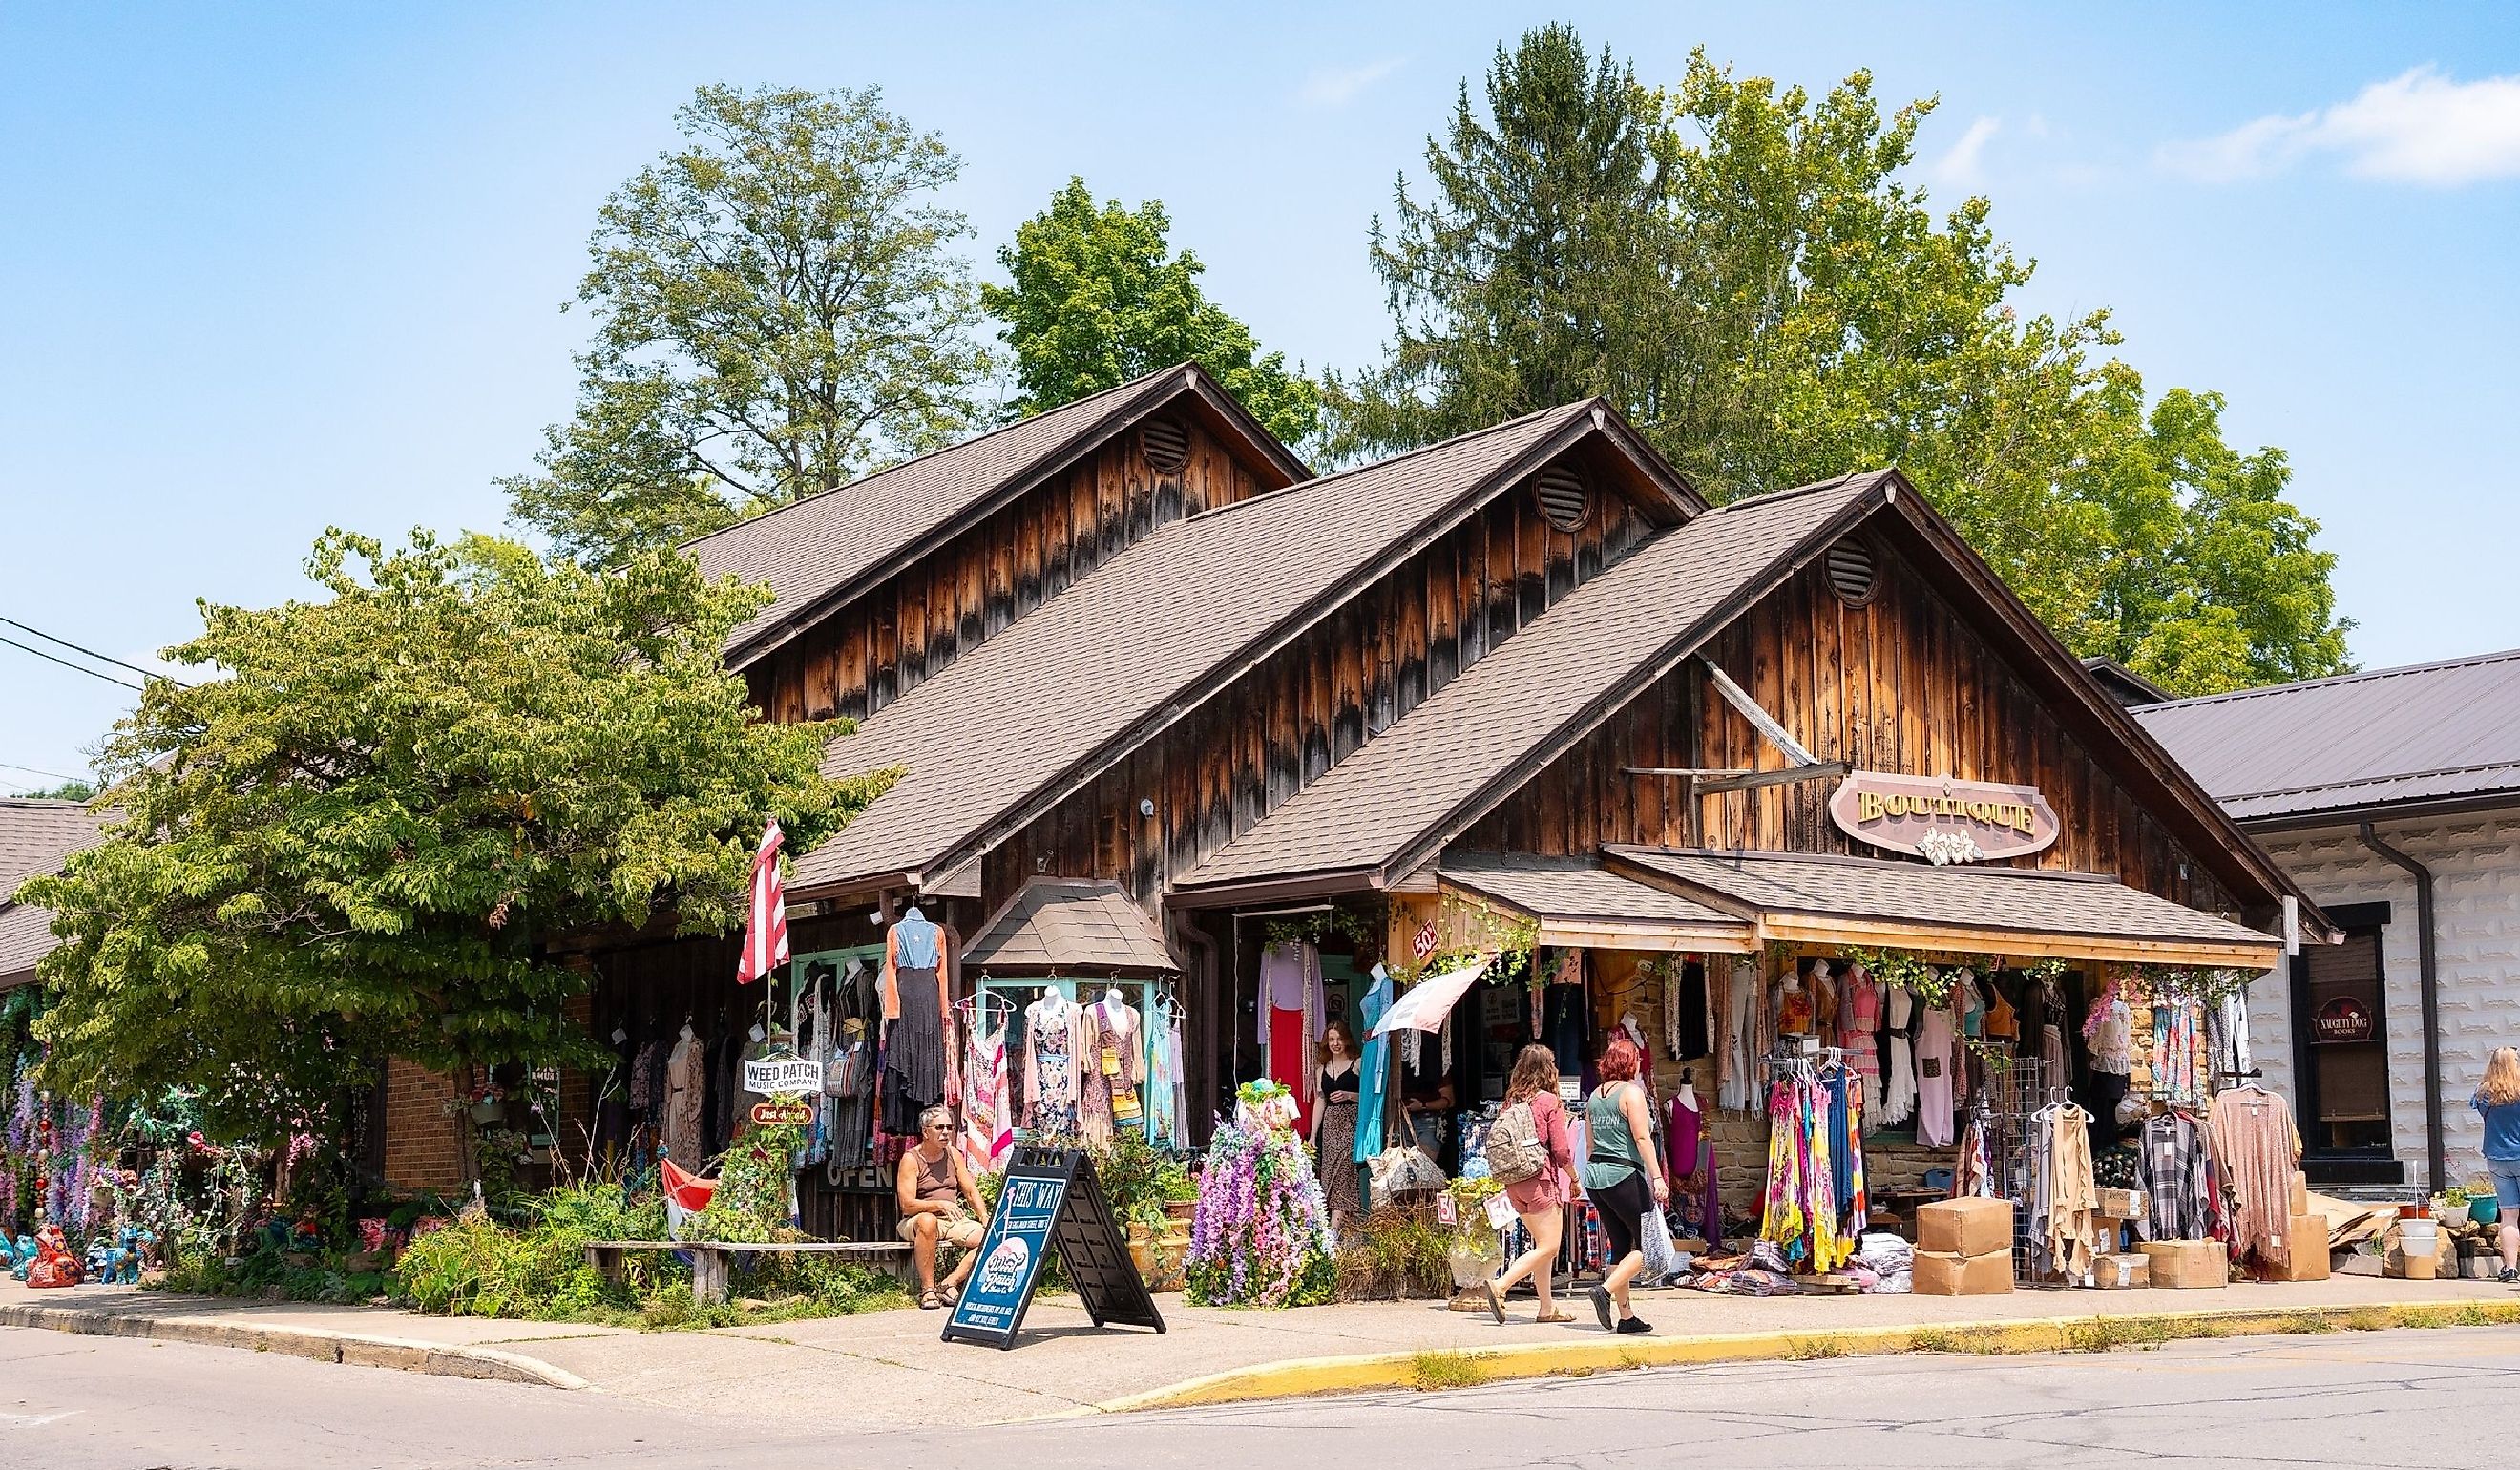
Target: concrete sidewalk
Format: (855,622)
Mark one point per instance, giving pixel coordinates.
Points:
(889,1369)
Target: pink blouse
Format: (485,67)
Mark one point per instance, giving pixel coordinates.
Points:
(1552,1186)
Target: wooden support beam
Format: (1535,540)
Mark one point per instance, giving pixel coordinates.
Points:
(1760,720)
(1817,771)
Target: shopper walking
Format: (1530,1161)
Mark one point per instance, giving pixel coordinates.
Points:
(1624,1179)
(1541,1200)
(1333,1140)
(2498,1101)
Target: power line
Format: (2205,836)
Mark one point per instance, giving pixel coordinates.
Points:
(66,663)
(32,771)
(90,653)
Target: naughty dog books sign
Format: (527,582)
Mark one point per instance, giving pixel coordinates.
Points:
(1051,1199)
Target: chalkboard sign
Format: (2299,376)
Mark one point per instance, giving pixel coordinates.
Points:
(1051,1199)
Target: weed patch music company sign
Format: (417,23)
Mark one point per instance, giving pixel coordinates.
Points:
(1944,820)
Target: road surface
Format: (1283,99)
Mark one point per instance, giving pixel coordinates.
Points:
(2364,1401)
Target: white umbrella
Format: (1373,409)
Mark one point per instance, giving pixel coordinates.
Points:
(1431,1000)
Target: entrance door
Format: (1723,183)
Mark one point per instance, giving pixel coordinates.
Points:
(2341,1045)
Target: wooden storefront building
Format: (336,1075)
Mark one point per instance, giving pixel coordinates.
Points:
(1132,648)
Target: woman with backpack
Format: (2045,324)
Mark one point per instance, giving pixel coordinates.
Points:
(1529,1152)
(1623,1177)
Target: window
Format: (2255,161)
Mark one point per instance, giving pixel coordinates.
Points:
(2341,1035)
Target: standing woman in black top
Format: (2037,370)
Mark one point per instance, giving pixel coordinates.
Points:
(1335,1093)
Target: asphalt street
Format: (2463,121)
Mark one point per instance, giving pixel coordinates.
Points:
(2361,1400)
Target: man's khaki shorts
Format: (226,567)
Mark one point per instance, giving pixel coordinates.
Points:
(958,1228)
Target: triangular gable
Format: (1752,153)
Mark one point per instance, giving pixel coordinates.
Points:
(1387,811)
(822,551)
(1058,697)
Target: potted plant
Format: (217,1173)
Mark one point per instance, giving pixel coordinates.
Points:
(1477,1249)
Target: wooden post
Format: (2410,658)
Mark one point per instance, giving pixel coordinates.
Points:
(708,1276)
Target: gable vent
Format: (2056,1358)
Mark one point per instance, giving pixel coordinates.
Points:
(1167,444)
(1564,501)
(1851,573)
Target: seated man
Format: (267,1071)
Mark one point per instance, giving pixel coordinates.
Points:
(933,1187)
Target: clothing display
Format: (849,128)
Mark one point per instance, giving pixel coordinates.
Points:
(2064,1201)
(1375,1067)
(1800,1215)
(1859,1027)
(1935,1036)
(1167,1094)
(1899,1081)
(1292,999)
(1053,1047)
(1109,1073)
(2175,1173)
(1737,1080)
(684,1114)
(988,1126)
(2250,1131)
(1684,1012)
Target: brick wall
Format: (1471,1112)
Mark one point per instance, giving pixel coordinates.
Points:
(2476,881)
(423,1145)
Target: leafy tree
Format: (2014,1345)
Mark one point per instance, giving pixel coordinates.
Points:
(71,790)
(1098,298)
(777,312)
(356,841)
(1744,270)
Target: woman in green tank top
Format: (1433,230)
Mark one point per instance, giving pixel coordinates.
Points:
(1624,1179)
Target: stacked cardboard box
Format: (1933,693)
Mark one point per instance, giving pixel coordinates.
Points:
(2188,1264)
(1963,1248)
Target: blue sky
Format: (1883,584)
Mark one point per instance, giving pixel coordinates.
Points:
(273,268)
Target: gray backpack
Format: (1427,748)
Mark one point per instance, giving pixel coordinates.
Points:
(1513,1149)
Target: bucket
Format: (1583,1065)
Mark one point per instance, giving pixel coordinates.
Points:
(2419,1237)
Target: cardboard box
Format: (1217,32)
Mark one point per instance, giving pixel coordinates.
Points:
(2115,1273)
(2307,1244)
(2122,1204)
(1965,1227)
(2188,1264)
(2300,1193)
(1944,1274)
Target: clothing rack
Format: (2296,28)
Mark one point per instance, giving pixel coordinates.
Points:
(1150,996)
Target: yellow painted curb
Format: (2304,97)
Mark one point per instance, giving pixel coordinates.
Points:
(1303,1377)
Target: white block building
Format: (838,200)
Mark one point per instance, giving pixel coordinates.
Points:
(2393,799)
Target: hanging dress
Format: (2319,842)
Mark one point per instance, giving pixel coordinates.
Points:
(987,1128)
(1375,1069)
(686,1110)
(1934,1077)
(1051,1047)
(1292,1002)
(1108,1099)
(1860,1032)
(1899,1091)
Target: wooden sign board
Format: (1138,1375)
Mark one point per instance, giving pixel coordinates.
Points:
(2342,1019)
(784,1077)
(1051,1199)
(1944,820)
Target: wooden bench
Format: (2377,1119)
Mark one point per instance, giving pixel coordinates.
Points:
(709,1258)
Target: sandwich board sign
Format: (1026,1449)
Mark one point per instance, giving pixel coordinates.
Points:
(1052,1201)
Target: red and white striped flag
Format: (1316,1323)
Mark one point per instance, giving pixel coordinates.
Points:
(765,933)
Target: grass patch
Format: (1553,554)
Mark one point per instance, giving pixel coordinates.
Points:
(1629,1359)
(2369,1319)
(2308,1324)
(1434,1372)
(2107,1334)
(1808,1349)
(1934,1340)
(1584,1373)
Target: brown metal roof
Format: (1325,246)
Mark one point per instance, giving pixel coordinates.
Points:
(1421,782)
(1070,926)
(1960,896)
(1574,888)
(2356,743)
(817,552)
(36,836)
(1013,725)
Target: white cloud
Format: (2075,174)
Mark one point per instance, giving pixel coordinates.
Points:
(2417,128)
(1958,169)
(1328,88)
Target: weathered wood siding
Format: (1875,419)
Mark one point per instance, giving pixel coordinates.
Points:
(1902,683)
(1280,726)
(878,646)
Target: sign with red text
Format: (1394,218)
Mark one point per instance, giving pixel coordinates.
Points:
(1944,820)
(2342,1019)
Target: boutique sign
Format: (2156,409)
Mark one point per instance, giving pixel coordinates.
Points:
(1944,820)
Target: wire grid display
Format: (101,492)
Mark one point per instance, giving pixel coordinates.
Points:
(2016,1087)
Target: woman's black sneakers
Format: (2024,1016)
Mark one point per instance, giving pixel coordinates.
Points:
(1601,1308)
(1633,1324)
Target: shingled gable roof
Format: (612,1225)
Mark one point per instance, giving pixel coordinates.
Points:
(1379,817)
(1393,802)
(821,551)
(36,838)
(1027,718)
(1070,926)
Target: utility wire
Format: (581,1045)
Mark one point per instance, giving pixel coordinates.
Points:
(32,771)
(66,663)
(90,653)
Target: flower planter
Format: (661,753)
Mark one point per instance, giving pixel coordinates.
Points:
(1161,1259)
(1471,1267)
(487,1112)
